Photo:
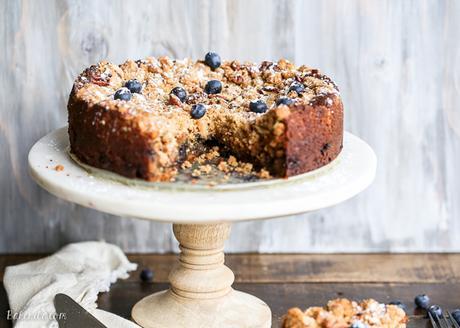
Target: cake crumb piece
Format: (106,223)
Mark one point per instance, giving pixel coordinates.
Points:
(59,168)
(232,161)
(282,112)
(245,168)
(186,165)
(206,169)
(264,174)
(212,154)
(223,166)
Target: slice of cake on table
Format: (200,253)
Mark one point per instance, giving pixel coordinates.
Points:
(142,118)
(344,313)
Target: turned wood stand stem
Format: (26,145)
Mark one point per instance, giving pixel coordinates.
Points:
(201,273)
(201,293)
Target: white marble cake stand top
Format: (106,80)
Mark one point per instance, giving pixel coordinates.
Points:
(345,177)
(200,294)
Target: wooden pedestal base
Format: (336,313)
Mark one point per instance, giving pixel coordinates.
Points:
(201,294)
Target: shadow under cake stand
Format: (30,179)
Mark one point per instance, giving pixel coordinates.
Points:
(200,294)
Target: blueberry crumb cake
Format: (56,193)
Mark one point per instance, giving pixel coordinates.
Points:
(146,118)
(344,313)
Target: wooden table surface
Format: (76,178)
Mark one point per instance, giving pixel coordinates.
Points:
(302,280)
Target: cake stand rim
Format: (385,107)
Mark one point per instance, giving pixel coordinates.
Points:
(223,210)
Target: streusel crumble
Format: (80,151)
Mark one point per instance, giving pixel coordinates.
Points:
(344,313)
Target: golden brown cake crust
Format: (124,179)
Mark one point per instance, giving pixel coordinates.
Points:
(149,136)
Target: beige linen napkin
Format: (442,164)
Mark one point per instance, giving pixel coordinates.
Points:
(80,270)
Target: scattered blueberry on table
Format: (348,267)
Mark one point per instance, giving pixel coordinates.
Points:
(134,86)
(399,304)
(180,93)
(258,106)
(212,60)
(284,101)
(422,301)
(123,94)
(198,111)
(435,310)
(213,87)
(297,87)
(456,315)
(146,275)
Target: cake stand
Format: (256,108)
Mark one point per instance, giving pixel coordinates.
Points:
(201,294)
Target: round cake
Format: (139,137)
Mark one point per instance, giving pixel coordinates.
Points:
(142,119)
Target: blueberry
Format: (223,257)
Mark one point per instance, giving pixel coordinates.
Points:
(180,93)
(258,106)
(146,275)
(123,94)
(399,304)
(212,60)
(198,111)
(284,101)
(456,315)
(422,301)
(297,87)
(358,324)
(435,310)
(213,87)
(134,86)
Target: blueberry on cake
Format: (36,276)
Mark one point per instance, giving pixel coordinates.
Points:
(343,313)
(142,118)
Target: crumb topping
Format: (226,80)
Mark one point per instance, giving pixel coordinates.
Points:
(242,83)
(343,313)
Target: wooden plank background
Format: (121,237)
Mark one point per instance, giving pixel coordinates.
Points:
(397,64)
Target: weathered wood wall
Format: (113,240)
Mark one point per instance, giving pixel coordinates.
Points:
(397,64)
